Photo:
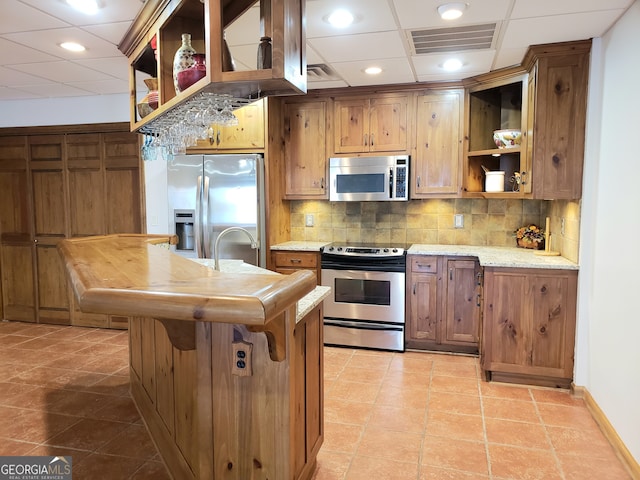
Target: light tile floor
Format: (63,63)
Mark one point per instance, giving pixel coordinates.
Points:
(388,416)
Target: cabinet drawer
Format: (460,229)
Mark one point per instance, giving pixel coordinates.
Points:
(295,259)
(424,264)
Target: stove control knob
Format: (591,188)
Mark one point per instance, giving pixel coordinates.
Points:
(339,249)
(331,249)
(386,250)
(395,250)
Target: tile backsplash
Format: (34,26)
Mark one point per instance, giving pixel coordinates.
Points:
(486,221)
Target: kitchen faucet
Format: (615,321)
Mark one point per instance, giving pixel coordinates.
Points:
(216,251)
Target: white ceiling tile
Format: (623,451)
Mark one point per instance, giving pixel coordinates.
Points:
(18,17)
(447,77)
(245,30)
(394,70)
(507,57)
(13,94)
(13,78)
(111,32)
(557,28)
(110,11)
(113,66)
(12,53)
(527,8)
(49,41)
(472,61)
(55,90)
(62,72)
(105,87)
(370,16)
(414,14)
(368,46)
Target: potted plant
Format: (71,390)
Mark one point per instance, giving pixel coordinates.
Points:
(530,236)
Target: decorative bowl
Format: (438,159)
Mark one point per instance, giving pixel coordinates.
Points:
(507,138)
(191,75)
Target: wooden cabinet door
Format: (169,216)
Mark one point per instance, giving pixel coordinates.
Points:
(305,156)
(16,242)
(559,125)
(423,307)
(248,134)
(351,125)
(462,312)
(437,166)
(529,324)
(388,123)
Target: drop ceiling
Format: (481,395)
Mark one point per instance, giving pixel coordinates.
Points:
(32,65)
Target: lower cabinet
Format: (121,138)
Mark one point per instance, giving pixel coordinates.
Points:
(287,262)
(529,325)
(443,306)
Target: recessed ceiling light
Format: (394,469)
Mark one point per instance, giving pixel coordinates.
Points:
(452,65)
(451,11)
(373,70)
(340,18)
(73,47)
(90,7)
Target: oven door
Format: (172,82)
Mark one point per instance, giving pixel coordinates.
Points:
(365,295)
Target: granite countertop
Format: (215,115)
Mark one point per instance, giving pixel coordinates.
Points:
(304,305)
(496,256)
(300,246)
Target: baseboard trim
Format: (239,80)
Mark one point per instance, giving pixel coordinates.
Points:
(609,432)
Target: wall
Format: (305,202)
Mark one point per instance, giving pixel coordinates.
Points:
(64,111)
(608,321)
(486,222)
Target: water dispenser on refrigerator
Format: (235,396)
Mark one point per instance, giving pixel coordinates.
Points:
(184,229)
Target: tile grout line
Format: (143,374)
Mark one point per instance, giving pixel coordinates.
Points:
(426,420)
(484,423)
(546,434)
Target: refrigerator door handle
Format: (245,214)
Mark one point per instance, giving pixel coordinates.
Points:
(198,220)
(205,218)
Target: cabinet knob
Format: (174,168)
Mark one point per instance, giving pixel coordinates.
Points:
(365,140)
(371,140)
(322,183)
(296,260)
(418,181)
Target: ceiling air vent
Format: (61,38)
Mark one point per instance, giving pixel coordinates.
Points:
(318,72)
(441,40)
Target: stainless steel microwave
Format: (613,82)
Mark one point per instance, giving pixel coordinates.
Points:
(362,179)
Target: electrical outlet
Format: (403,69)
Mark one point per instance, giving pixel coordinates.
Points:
(241,361)
(458,220)
(308,220)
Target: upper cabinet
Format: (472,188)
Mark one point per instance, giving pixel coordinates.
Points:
(305,158)
(164,26)
(371,124)
(557,102)
(437,162)
(496,105)
(248,134)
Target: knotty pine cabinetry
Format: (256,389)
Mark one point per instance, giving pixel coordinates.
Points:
(529,325)
(444,303)
(248,134)
(290,261)
(305,133)
(371,124)
(556,118)
(436,167)
(60,186)
(217,440)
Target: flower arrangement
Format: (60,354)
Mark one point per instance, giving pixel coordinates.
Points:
(530,236)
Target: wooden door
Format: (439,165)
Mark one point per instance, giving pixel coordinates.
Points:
(437,166)
(305,156)
(462,312)
(388,124)
(249,133)
(16,242)
(123,188)
(423,308)
(351,120)
(48,185)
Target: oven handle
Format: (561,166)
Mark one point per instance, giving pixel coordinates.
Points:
(362,325)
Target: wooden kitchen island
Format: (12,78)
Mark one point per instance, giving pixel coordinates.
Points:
(225,371)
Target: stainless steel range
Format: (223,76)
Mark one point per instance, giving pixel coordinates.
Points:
(366,307)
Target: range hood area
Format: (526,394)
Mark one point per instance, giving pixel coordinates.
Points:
(157,32)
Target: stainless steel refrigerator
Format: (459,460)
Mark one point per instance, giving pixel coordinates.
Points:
(211,193)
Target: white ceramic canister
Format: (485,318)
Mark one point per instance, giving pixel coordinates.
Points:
(494,182)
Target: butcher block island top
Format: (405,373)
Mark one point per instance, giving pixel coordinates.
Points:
(228,383)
